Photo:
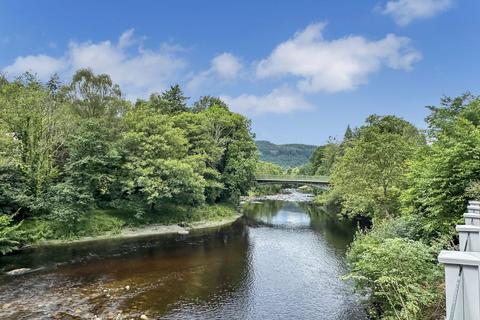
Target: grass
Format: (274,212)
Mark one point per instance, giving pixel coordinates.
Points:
(112,221)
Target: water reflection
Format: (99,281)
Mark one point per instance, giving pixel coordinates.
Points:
(286,265)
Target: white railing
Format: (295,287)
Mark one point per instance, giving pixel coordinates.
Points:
(462,269)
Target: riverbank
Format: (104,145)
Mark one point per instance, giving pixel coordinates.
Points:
(118,224)
(146,231)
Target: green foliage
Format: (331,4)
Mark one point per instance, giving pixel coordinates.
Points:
(442,174)
(267,168)
(370,175)
(400,275)
(171,102)
(69,150)
(155,163)
(206,102)
(98,223)
(31,125)
(323,159)
(94,96)
(112,221)
(285,155)
(10,235)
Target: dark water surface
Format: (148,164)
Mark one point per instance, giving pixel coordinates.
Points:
(283,261)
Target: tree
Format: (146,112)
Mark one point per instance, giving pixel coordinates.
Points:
(442,173)
(323,158)
(94,96)
(156,165)
(441,119)
(206,102)
(232,134)
(348,134)
(268,168)
(15,193)
(370,175)
(170,102)
(36,126)
(90,172)
(202,146)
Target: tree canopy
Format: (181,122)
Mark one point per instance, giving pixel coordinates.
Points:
(69,148)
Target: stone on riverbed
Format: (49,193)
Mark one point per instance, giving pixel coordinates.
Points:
(183,232)
(17,272)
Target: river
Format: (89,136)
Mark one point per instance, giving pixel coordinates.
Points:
(284,260)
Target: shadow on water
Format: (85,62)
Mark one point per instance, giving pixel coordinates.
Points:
(283,261)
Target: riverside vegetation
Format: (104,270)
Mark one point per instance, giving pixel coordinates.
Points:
(78,159)
(412,187)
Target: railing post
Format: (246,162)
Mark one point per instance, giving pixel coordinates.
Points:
(462,289)
(473,207)
(469,238)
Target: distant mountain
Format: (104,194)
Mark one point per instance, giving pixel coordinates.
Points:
(285,155)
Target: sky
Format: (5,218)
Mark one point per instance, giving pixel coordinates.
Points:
(301,70)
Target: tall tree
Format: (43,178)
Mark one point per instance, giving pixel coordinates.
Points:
(172,101)
(94,96)
(37,126)
(156,163)
(348,134)
(370,175)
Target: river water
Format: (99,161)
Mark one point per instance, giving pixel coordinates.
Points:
(284,260)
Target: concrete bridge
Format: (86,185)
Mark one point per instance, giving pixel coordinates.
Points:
(317,181)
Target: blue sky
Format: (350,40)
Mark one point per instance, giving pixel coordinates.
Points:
(301,70)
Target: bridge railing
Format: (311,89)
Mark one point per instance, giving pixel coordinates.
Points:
(292,178)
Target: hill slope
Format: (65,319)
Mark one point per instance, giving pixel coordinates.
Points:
(285,155)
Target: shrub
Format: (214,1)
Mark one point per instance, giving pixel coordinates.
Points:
(97,223)
(399,275)
(10,235)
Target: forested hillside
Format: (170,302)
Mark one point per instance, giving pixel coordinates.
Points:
(285,155)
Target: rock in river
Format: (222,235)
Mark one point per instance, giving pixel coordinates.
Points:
(16,272)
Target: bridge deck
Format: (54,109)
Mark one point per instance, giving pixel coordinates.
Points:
(293,179)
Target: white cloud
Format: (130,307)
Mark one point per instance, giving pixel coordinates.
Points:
(280,100)
(335,65)
(405,11)
(223,67)
(137,71)
(126,39)
(226,65)
(44,66)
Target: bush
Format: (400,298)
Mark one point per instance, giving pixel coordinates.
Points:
(97,223)
(329,199)
(399,275)
(214,212)
(10,235)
